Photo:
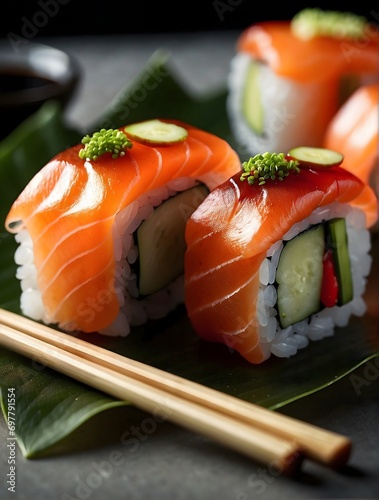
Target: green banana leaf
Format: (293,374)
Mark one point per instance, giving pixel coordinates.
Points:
(51,406)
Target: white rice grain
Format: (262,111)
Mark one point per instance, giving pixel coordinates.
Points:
(31,304)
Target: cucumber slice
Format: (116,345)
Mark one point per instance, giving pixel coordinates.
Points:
(316,157)
(160,240)
(156,133)
(252,104)
(299,276)
(338,242)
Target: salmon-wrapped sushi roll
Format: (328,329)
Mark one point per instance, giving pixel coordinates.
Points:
(354,131)
(288,78)
(279,254)
(101,227)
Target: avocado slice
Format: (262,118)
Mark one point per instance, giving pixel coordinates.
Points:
(160,240)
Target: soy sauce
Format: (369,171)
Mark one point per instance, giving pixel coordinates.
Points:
(22,93)
(14,82)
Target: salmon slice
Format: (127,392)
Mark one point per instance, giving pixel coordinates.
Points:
(69,211)
(228,237)
(354,132)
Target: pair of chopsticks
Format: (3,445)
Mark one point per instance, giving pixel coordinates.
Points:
(267,437)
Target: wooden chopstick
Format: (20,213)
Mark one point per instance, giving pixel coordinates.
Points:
(318,444)
(254,443)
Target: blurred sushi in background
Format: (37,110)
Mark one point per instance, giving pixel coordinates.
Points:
(288,79)
(354,132)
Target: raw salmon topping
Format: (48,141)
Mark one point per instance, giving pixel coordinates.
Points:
(319,58)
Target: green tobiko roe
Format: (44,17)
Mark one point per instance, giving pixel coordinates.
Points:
(104,141)
(267,166)
(314,22)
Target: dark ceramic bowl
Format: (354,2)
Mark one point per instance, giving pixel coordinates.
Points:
(31,76)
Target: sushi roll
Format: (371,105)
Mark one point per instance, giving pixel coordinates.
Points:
(279,255)
(287,79)
(354,131)
(100,228)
